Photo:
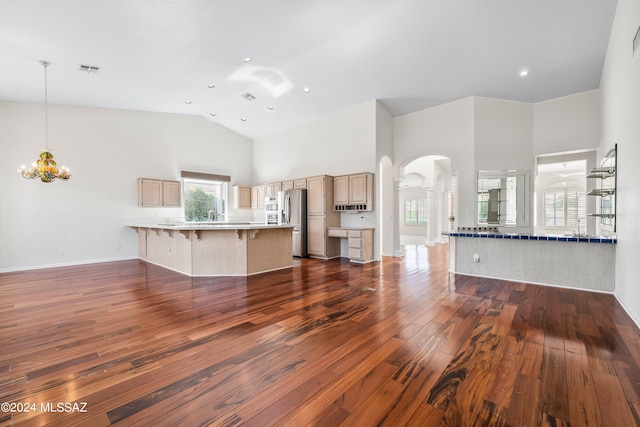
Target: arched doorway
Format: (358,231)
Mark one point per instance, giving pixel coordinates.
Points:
(426,201)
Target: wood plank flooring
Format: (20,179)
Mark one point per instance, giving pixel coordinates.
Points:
(326,343)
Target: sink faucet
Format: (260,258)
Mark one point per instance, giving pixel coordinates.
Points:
(579,233)
(210,216)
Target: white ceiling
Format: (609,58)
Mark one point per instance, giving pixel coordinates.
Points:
(409,54)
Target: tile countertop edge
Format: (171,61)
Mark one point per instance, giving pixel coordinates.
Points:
(551,238)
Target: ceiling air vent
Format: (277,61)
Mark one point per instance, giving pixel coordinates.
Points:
(248,96)
(89,68)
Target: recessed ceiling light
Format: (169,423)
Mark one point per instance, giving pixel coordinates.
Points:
(243,119)
(270,108)
(211,86)
(212,114)
(248,59)
(306,90)
(187,102)
(524,73)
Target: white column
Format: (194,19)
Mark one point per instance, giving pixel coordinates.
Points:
(432,218)
(397,248)
(442,216)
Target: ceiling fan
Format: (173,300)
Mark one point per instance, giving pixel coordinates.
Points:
(565,174)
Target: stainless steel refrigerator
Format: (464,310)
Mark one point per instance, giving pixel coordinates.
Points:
(294,212)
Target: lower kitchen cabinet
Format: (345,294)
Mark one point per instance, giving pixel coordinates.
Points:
(319,244)
(360,242)
(360,245)
(316,243)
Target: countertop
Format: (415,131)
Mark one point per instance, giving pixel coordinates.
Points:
(548,237)
(350,228)
(210,226)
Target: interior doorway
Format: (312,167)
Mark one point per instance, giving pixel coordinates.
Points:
(426,201)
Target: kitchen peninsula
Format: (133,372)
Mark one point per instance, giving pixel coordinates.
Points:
(580,262)
(226,249)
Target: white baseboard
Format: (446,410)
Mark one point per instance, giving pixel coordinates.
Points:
(64,264)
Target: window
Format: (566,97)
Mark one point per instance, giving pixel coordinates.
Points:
(564,208)
(415,212)
(205,197)
(483,207)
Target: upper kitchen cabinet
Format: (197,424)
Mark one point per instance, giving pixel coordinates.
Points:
(353,192)
(300,183)
(154,193)
(287,185)
(257,197)
(272,189)
(242,197)
(319,190)
(171,191)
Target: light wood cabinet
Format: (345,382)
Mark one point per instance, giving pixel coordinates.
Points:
(257,197)
(320,216)
(155,193)
(241,197)
(341,190)
(287,185)
(360,242)
(300,183)
(171,194)
(316,196)
(316,232)
(360,245)
(272,189)
(353,192)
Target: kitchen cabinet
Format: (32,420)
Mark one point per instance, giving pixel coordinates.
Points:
(241,197)
(287,185)
(257,197)
(171,191)
(316,231)
(341,190)
(353,192)
(300,183)
(360,242)
(272,189)
(360,245)
(316,196)
(155,193)
(320,216)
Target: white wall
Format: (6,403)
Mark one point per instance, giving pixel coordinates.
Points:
(620,93)
(107,150)
(338,144)
(341,143)
(566,124)
(446,130)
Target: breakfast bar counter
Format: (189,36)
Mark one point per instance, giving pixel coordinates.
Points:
(209,249)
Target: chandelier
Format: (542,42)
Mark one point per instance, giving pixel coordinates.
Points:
(45,168)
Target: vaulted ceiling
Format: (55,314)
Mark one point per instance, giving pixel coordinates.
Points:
(245,63)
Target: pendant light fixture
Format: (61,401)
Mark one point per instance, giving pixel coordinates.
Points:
(45,168)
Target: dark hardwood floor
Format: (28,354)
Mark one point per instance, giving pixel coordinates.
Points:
(326,343)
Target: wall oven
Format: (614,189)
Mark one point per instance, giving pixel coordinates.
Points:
(272,210)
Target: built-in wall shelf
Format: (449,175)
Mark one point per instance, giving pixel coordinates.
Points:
(606,189)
